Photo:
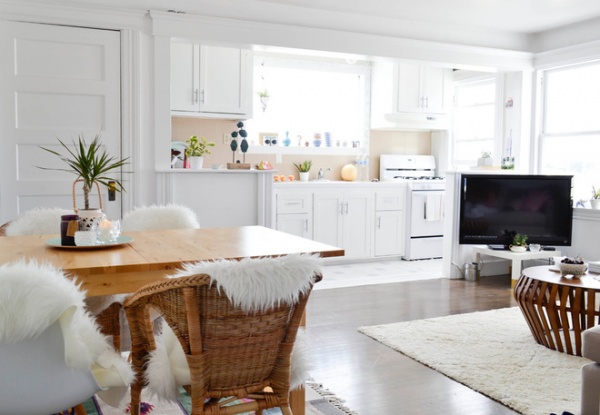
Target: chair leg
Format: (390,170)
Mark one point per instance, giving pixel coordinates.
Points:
(136,398)
(286,410)
(590,389)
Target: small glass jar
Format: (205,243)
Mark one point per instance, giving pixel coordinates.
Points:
(69,224)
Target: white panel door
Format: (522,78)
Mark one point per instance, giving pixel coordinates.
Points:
(55,82)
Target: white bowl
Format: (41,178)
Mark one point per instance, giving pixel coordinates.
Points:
(575,270)
(515,248)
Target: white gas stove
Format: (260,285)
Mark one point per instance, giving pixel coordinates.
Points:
(425,202)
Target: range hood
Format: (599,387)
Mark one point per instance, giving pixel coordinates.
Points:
(402,121)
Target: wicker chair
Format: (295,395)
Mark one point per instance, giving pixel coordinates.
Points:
(232,350)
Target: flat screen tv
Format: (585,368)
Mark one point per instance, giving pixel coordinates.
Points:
(494,207)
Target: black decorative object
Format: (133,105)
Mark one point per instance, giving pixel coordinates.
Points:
(243,147)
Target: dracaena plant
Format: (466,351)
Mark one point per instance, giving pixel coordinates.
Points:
(90,163)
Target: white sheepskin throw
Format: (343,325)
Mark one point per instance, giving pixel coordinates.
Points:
(160,217)
(250,284)
(33,296)
(259,284)
(37,221)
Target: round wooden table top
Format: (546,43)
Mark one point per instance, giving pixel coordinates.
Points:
(552,275)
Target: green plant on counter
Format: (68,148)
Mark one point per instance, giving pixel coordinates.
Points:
(304,167)
(520,240)
(595,193)
(198,148)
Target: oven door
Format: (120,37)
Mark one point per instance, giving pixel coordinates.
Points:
(427,213)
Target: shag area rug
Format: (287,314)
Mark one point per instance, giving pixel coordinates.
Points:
(494,353)
(319,401)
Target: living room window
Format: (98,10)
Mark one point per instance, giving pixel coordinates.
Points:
(310,98)
(473,120)
(570,133)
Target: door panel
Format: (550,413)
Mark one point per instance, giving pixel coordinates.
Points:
(55,82)
(420,224)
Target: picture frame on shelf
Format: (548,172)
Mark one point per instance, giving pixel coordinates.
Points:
(268,139)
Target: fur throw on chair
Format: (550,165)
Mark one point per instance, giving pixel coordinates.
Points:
(38,221)
(250,284)
(160,217)
(33,297)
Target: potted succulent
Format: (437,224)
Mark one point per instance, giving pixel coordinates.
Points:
(519,243)
(304,169)
(196,150)
(595,201)
(91,164)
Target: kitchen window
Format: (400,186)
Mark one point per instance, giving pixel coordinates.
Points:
(473,120)
(570,133)
(310,102)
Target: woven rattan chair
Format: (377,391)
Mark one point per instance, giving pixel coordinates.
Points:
(233,350)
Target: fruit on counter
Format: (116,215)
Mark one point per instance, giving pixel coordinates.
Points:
(349,173)
(577,261)
(264,165)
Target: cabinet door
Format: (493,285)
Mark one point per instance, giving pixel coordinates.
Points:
(434,84)
(408,91)
(327,218)
(357,217)
(185,88)
(225,81)
(298,224)
(389,233)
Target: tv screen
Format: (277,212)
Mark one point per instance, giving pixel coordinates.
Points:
(495,207)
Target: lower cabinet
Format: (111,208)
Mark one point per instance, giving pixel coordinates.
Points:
(294,212)
(390,220)
(366,219)
(344,219)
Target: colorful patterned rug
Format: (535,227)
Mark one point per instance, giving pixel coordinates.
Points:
(319,401)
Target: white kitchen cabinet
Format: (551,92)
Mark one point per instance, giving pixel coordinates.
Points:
(390,221)
(413,96)
(210,81)
(344,219)
(294,212)
(421,88)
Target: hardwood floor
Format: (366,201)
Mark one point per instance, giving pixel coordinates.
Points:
(372,378)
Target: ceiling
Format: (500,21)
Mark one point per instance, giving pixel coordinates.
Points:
(521,16)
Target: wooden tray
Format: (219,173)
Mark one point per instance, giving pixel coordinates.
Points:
(238,166)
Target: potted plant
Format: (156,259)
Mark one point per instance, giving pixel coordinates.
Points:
(264,98)
(595,201)
(196,150)
(519,243)
(91,164)
(304,169)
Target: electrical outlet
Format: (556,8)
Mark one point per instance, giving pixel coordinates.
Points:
(226,138)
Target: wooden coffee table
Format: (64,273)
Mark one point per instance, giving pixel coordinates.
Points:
(558,309)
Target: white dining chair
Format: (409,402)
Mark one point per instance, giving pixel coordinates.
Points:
(38,221)
(52,355)
(157,217)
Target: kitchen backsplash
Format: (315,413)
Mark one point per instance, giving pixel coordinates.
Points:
(381,142)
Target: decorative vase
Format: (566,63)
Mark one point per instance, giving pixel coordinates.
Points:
(595,203)
(304,176)
(89,218)
(196,162)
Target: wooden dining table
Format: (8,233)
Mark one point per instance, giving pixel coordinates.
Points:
(152,255)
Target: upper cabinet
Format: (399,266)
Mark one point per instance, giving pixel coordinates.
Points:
(406,95)
(210,81)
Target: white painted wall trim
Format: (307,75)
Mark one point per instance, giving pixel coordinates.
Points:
(570,55)
(86,16)
(244,33)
